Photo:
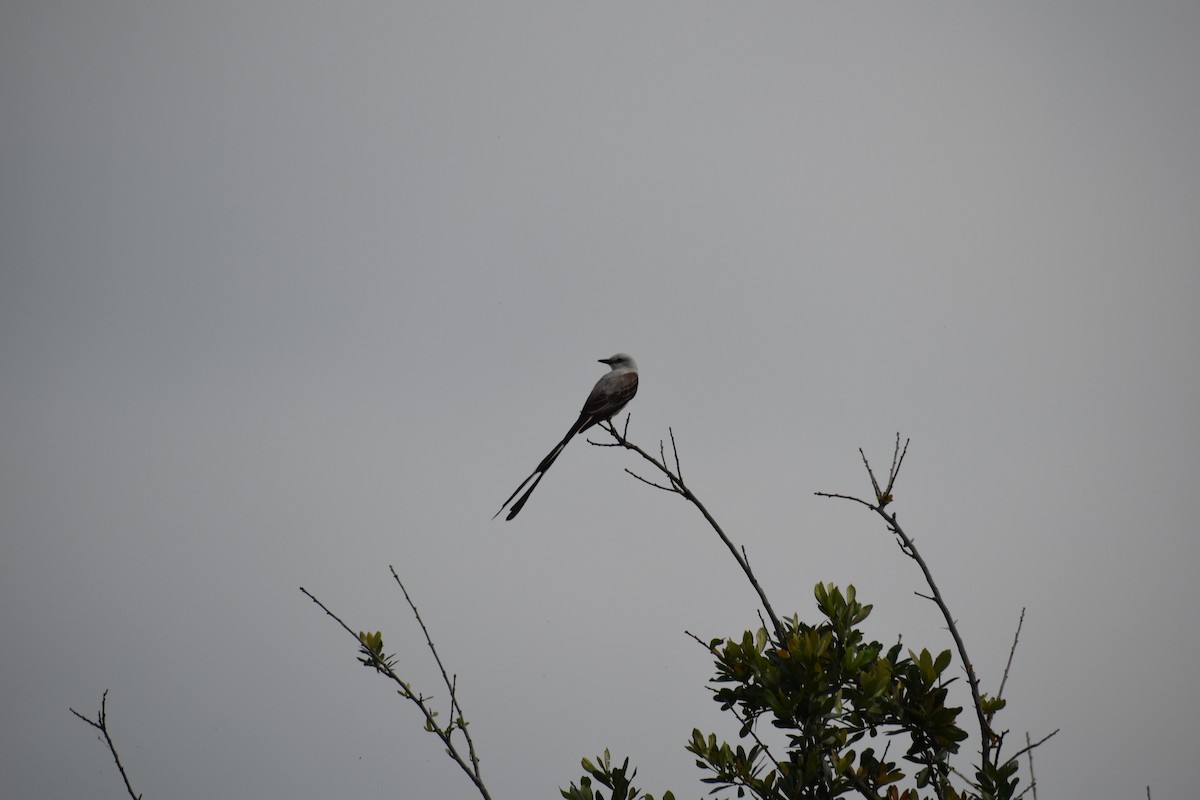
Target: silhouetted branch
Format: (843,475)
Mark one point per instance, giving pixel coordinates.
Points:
(382,663)
(1029,748)
(451,685)
(1032,788)
(882,499)
(677,486)
(1011,651)
(649,482)
(100,723)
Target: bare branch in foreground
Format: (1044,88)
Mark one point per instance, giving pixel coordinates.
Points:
(375,657)
(100,723)
(677,486)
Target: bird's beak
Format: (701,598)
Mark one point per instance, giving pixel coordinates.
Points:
(605,361)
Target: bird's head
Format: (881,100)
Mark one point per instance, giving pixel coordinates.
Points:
(620,361)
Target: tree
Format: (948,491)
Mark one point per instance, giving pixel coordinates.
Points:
(820,692)
(823,686)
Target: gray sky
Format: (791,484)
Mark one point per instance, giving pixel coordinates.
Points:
(292,292)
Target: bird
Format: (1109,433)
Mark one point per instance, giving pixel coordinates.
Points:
(610,394)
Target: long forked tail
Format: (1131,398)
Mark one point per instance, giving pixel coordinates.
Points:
(537,475)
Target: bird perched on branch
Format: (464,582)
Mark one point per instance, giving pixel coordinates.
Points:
(609,395)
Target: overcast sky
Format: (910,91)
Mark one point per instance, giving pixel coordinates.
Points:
(294,291)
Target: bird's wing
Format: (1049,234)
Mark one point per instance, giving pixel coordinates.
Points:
(609,396)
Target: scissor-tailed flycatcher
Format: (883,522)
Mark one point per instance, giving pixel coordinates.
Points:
(609,395)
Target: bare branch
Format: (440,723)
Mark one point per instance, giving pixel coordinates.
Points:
(451,685)
(897,459)
(406,691)
(647,481)
(910,549)
(846,497)
(761,620)
(1030,748)
(870,473)
(1012,650)
(675,450)
(985,730)
(681,488)
(100,723)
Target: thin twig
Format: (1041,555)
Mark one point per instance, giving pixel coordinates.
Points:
(985,730)
(451,685)
(910,549)
(1030,748)
(649,482)
(101,724)
(846,497)
(675,450)
(406,691)
(680,488)
(870,473)
(1011,651)
(897,459)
